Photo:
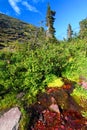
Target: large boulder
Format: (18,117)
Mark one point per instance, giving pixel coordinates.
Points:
(10,119)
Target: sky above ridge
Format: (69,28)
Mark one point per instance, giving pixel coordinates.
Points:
(34,12)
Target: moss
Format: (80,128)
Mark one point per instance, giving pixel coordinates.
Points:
(56,83)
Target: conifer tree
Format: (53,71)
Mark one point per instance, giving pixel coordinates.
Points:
(69,32)
(50,21)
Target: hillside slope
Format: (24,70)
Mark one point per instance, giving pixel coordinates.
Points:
(12,29)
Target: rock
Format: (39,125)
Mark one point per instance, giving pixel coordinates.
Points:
(20,95)
(61,98)
(10,119)
(54,107)
(84,84)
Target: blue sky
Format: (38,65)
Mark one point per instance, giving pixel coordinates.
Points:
(34,11)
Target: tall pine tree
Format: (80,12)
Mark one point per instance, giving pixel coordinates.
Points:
(69,32)
(50,21)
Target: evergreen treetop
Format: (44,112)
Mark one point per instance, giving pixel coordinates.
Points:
(50,21)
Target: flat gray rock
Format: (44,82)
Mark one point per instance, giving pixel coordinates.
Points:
(10,119)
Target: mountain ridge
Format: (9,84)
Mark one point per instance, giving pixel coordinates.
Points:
(12,29)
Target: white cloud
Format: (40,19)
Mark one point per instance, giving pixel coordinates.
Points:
(29,7)
(13,4)
(16,8)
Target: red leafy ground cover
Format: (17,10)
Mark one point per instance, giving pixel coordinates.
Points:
(70,120)
(52,119)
